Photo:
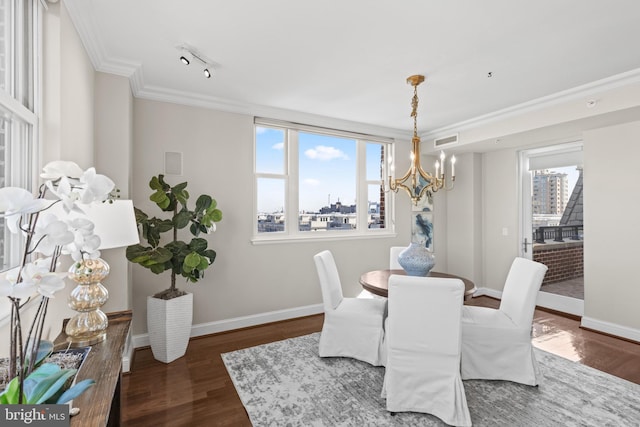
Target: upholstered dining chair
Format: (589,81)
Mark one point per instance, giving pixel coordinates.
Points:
(353,327)
(496,343)
(394,251)
(423,348)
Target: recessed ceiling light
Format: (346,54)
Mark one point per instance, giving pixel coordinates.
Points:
(184,60)
(207,74)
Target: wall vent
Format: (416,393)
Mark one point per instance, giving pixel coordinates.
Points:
(447,140)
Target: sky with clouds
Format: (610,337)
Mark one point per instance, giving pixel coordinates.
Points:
(327,169)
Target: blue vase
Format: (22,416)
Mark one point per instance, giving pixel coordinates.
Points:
(417,260)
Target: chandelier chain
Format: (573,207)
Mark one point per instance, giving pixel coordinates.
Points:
(414,111)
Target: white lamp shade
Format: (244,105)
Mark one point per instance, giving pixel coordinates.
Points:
(115,223)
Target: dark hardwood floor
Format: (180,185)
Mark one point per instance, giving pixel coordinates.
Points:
(196,390)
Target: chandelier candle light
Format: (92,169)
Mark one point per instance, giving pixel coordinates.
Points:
(421,182)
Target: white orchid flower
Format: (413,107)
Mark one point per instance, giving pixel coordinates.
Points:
(59,168)
(36,277)
(15,202)
(46,282)
(96,187)
(51,232)
(85,243)
(9,287)
(66,193)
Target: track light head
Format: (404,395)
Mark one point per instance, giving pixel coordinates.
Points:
(184,60)
(207,73)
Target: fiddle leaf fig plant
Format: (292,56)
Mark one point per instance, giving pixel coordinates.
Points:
(187,259)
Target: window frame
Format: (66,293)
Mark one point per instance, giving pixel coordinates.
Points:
(20,104)
(290,178)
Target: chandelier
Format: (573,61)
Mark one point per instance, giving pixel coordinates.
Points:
(416,182)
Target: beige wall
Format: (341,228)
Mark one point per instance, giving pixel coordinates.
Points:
(612,233)
(245,279)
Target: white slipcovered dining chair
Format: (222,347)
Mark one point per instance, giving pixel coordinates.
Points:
(353,327)
(394,251)
(423,348)
(496,344)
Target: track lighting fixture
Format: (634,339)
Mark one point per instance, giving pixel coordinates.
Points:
(190,52)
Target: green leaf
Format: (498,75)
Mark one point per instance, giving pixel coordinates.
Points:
(75,391)
(155,183)
(195,228)
(45,348)
(10,394)
(146,256)
(198,244)
(214,215)
(45,382)
(182,218)
(192,261)
(203,203)
(211,254)
(160,198)
(140,216)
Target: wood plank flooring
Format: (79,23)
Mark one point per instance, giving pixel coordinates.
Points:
(196,390)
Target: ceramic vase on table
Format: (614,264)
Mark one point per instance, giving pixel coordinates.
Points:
(416,259)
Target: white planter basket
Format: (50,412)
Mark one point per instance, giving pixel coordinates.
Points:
(169,324)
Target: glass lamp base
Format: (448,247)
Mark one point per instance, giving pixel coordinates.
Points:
(89,325)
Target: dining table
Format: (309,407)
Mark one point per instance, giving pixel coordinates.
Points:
(377,281)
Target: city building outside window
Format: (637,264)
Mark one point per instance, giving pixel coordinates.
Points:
(318,183)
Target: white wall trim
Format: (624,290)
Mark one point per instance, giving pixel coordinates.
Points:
(561,303)
(201,329)
(554,302)
(586,90)
(611,328)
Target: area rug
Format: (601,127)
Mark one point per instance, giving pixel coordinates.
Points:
(285,383)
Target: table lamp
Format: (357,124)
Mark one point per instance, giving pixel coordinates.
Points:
(115,224)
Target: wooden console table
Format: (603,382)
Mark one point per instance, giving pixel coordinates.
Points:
(100,404)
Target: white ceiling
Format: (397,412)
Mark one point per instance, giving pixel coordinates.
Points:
(346,61)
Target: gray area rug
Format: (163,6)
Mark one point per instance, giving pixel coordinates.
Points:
(286,383)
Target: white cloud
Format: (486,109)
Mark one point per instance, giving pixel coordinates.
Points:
(278,146)
(312,181)
(322,152)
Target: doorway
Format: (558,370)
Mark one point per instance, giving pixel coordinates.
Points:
(552,229)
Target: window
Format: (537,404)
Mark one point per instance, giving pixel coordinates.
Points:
(18,120)
(318,183)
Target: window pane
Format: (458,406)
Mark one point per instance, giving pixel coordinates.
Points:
(270,153)
(375,160)
(327,182)
(271,203)
(376,206)
(5,43)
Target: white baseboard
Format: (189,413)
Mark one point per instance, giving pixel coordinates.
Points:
(201,329)
(576,307)
(561,303)
(611,328)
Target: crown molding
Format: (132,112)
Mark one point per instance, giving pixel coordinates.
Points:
(579,92)
(132,70)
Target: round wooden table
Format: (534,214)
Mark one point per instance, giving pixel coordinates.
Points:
(377,282)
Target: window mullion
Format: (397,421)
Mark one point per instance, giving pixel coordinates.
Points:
(292,182)
(362,189)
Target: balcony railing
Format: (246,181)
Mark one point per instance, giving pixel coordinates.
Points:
(557,233)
